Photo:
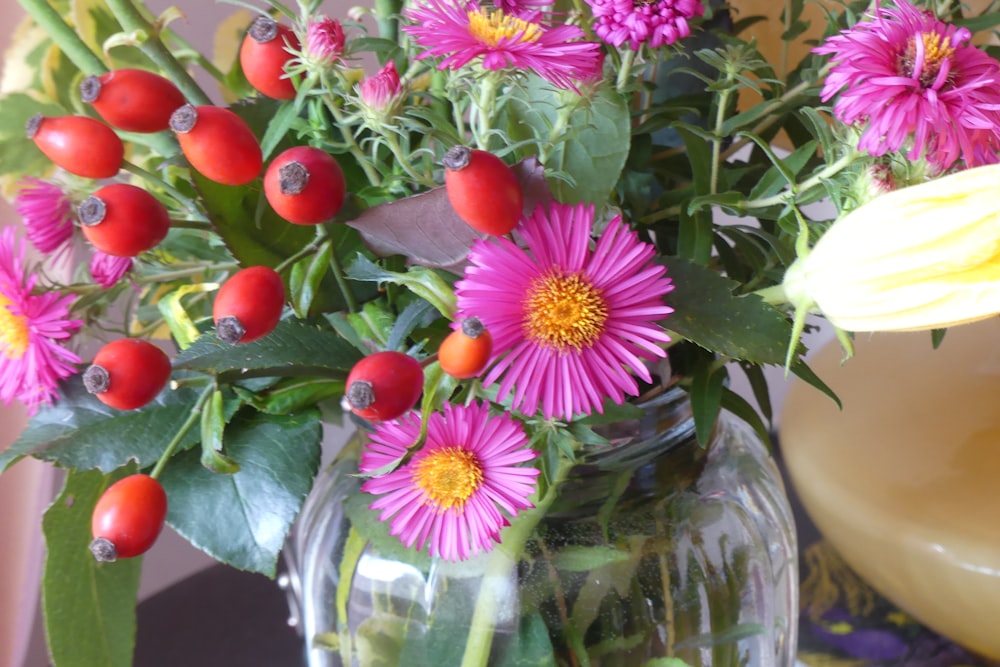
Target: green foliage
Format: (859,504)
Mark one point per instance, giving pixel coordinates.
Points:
(89,606)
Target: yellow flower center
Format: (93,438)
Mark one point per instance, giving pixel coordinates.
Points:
(489,27)
(937,49)
(449,476)
(13,331)
(564,312)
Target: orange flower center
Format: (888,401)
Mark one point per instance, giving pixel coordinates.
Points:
(937,49)
(13,331)
(489,27)
(564,312)
(449,476)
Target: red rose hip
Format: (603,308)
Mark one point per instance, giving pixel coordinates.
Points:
(127,373)
(384,385)
(134,100)
(127,518)
(483,190)
(81,145)
(218,143)
(264,55)
(248,305)
(305,185)
(123,220)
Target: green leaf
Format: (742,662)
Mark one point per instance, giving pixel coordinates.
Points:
(594,148)
(424,282)
(243,519)
(706,399)
(582,559)
(290,395)
(531,646)
(18,154)
(80,432)
(213,425)
(292,349)
(730,635)
(89,606)
(707,313)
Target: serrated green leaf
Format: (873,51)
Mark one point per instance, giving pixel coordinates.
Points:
(707,313)
(89,606)
(290,395)
(244,518)
(706,400)
(292,349)
(80,432)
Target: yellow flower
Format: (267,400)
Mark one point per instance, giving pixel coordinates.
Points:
(923,257)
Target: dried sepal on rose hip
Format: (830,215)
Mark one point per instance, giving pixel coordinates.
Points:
(127,373)
(81,145)
(465,352)
(127,518)
(218,143)
(123,220)
(483,190)
(305,185)
(265,53)
(134,100)
(384,385)
(249,304)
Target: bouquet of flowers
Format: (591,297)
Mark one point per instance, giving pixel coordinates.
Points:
(479,228)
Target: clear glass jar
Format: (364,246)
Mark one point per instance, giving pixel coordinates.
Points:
(655,548)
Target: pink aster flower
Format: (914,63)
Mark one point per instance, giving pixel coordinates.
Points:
(324,41)
(458,490)
(916,84)
(32,327)
(658,23)
(47,213)
(107,270)
(568,320)
(464,31)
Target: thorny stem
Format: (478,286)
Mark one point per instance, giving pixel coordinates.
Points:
(64,36)
(132,20)
(191,420)
(485,106)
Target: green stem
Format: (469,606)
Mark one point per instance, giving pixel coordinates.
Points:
(168,276)
(176,194)
(624,70)
(64,36)
(387,18)
(345,290)
(500,565)
(720,119)
(831,169)
(132,20)
(485,108)
(311,248)
(556,133)
(345,130)
(392,141)
(192,419)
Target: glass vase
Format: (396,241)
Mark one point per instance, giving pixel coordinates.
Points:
(655,548)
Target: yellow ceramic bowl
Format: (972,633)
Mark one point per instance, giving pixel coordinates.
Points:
(905,481)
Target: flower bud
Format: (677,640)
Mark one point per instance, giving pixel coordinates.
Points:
(921,257)
(381,95)
(324,42)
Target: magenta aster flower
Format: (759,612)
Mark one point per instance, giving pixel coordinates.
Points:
(451,493)
(568,320)
(324,41)
(917,85)
(655,23)
(32,358)
(106,270)
(463,32)
(47,212)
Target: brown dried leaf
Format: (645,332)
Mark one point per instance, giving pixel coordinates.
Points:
(424,227)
